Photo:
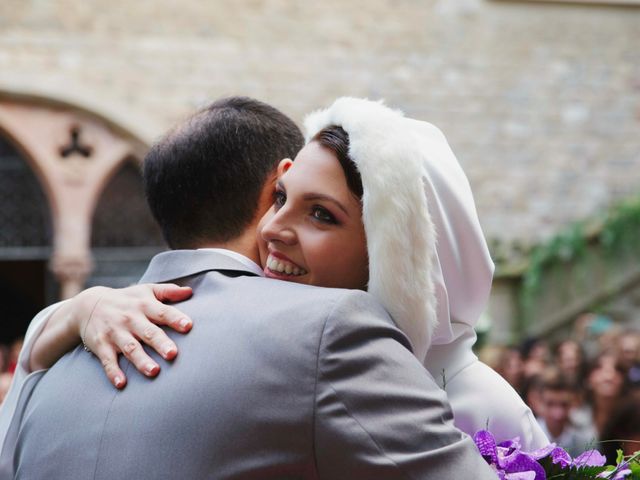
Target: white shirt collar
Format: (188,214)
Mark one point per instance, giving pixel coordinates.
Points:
(252,266)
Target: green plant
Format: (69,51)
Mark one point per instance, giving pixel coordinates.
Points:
(617,232)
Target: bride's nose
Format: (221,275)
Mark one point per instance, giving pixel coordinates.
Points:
(279,228)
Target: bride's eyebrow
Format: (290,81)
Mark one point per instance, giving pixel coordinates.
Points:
(319,196)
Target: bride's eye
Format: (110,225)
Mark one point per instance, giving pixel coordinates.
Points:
(323,215)
(279,199)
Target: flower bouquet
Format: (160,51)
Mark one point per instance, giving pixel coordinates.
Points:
(552,462)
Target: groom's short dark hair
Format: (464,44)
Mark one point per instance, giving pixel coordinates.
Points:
(204,178)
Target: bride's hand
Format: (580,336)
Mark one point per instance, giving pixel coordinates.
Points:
(112,321)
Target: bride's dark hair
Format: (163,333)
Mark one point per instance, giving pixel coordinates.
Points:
(336,139)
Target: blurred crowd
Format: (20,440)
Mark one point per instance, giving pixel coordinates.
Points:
(585,389)
(8,360)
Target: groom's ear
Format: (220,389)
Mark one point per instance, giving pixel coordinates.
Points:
(284,165)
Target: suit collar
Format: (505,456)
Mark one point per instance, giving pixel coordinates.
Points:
(174,264)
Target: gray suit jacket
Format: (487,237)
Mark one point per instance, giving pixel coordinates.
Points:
(276,380)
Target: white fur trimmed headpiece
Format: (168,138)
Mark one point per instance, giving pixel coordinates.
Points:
(429,264)
(401,247)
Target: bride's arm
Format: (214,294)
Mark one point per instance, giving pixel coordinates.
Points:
(111,321)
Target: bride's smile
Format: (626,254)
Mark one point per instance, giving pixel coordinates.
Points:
(279,265)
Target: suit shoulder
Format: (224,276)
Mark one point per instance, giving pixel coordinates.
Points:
(358,315)
(331,299)
(356,307)
(360,306)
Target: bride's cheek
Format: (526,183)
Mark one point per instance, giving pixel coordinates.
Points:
(328,246)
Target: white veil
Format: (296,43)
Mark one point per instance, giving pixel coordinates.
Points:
(429,264)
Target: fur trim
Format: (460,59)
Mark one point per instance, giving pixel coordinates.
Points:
(401,237)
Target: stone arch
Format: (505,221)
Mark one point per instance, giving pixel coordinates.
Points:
(75,152)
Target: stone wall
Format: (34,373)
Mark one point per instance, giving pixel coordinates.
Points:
(541,101)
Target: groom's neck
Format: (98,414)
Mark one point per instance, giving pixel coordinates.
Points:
(244,245)
(247,243)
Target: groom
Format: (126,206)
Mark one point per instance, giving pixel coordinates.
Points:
(280,380)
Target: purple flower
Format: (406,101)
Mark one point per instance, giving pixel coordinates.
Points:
(487,446)
(619,473)
(514,444)
(560,457)
(544,451)
(517,476)
(511,463)
(590,458)
(523,465)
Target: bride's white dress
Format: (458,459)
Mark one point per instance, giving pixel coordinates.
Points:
(480,398)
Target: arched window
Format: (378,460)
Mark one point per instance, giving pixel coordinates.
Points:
(122,217)
(25,244)
(124,235)
(24,212)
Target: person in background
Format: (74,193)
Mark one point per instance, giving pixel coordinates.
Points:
(629,355)
(4,353)
(5,383)
(511,367)
(491,355)
(557,397)
(531,393)
(5,377)
(622,432)
(14,352)
(536,356)
(606,385)
(570,360)
(595,333)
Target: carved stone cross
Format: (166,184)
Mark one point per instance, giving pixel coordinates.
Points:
(76,147)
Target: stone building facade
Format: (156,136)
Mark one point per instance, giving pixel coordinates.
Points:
(74,212)
(539,100)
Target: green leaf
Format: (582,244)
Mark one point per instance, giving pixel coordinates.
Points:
(619,456)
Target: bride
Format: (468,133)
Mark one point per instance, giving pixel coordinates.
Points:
(408,233)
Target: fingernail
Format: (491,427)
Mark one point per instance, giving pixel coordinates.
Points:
(119,382)
(184,323)
(168,350)
(149,369)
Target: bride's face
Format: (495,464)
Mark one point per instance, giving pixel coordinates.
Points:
(314,234)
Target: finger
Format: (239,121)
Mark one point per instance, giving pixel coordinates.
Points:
(169,292)
(133,351)
(109,360)
(162,314)
(154,336)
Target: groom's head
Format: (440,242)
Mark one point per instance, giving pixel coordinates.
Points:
(204,179)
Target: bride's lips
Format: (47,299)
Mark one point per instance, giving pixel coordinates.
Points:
(281,267)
